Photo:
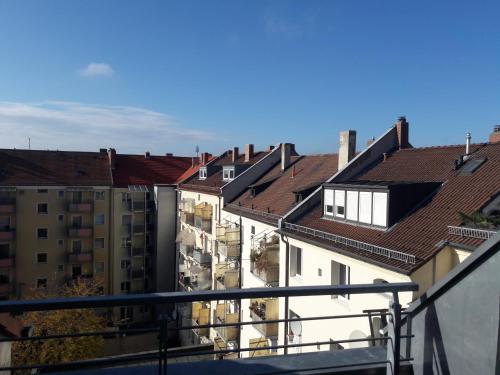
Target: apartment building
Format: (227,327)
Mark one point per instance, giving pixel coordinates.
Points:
(259,209)
(54,220)
(101,215)
(395,213)
(203,265)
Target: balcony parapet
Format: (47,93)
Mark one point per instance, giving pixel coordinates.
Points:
(79,232)
(7,234)
(84,257)
(79,207)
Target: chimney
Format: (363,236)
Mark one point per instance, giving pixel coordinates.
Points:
(495,136)
(248,152)
(147,155)
(194,161)
(468,137)
(235,154)
(271,147)
(112,158)
(204,158)
(286,150)
(103,151)
(402,128)
(347,147)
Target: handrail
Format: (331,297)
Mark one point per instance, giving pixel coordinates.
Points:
(471,232)
(264,214)
(373,249)
(208,295)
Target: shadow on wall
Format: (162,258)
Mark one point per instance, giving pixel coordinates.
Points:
(434,355)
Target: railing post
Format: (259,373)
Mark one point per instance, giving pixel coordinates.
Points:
(162,345)
(394,336)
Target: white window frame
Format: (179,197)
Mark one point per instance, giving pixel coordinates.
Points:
(202,173)
(347,277)
(296,266)
(339,200)
(328,202)
(228,173)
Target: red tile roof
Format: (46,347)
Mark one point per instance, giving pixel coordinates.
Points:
(214,182)
(139,170)
(191,171)
(53,168)
(304,172)
(420,232)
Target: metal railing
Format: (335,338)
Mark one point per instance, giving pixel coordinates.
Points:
(372,249)
(471,232)
(392,340)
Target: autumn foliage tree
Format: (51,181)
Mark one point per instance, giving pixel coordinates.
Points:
(57,322)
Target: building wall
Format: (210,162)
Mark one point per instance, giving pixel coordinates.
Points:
(57,221)
(5,355)
(316,270)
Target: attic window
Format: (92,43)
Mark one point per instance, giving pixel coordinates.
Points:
(203,173)
(228,173)
(471,166)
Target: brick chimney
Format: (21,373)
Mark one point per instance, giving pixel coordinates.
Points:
(402,129)
(235,155)
(112,158)
(204,157)
(169,154)
(347,148)
(248,152)
(286,151)
(147,155)
(495,136)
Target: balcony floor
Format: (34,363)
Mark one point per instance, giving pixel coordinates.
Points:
(349,361)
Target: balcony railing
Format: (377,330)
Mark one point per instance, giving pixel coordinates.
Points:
(80,207)
(137,251)
(79,232)
(187,217)
(186,250)
(262,310)
(270,274)
(84,257)
(226,333)
(8,206)
(201,257)
(7,234)
(392,351)
(227,280)
(136,273)
(471,232)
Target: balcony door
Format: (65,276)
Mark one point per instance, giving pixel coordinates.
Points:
(76,270)
(76,221)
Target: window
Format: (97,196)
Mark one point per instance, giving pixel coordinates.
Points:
(60,243)
(100,195)
(126,197)
(99,267)
(203,173)
(99,243)
(328,202)
(41,283)
(340,276)
(43,191)
(295,261)
(99,219)
(339,209)
(125,264)
(126,241)
(320,272)
(228,174)
(4,250)
(291,333)
(76,246)
(60,268)
(60,194)
(41,258)
(252,229)
(365,207)
(43,208)
(380,209)
(125,286)
(352,206)
(42,233)
(126,312)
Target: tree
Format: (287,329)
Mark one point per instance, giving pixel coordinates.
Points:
(43,323)
(481,220)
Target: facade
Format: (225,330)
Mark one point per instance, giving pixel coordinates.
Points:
(209,250)
(72,215)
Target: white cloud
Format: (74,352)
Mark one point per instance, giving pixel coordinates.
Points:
(97,70)
(76,126)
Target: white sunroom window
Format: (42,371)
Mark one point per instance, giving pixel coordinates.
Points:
(380,209)
(352,206)
(365,207)
(328,202)
(339,209)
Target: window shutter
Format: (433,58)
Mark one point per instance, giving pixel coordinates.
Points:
(293,261)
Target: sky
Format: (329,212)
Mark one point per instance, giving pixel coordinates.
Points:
(165,76)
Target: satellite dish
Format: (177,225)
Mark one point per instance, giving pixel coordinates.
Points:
(296,327)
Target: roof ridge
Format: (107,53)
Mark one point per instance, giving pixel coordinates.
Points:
(442,146)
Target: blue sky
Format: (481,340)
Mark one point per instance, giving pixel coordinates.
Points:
(167,75)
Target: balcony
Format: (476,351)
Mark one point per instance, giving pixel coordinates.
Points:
(138,206)
(221,345)
(203,217)
(8,206)
(85,257)
(7,234)
(262,310)
(228,333)
(7,261)
(79,232)
(195,278)
(137,251)
(136,273)
(200,315)
(186,251)
(139,228)
(264,260)
(79,207)
(201,257)
(226,277)
(187,218)
(5,288)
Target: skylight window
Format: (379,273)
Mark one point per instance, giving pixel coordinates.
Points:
(228,173)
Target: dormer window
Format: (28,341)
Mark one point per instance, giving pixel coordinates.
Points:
(228,173)
(203,173)
(378,204)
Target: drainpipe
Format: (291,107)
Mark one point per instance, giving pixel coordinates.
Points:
(240,284)
(287,283)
